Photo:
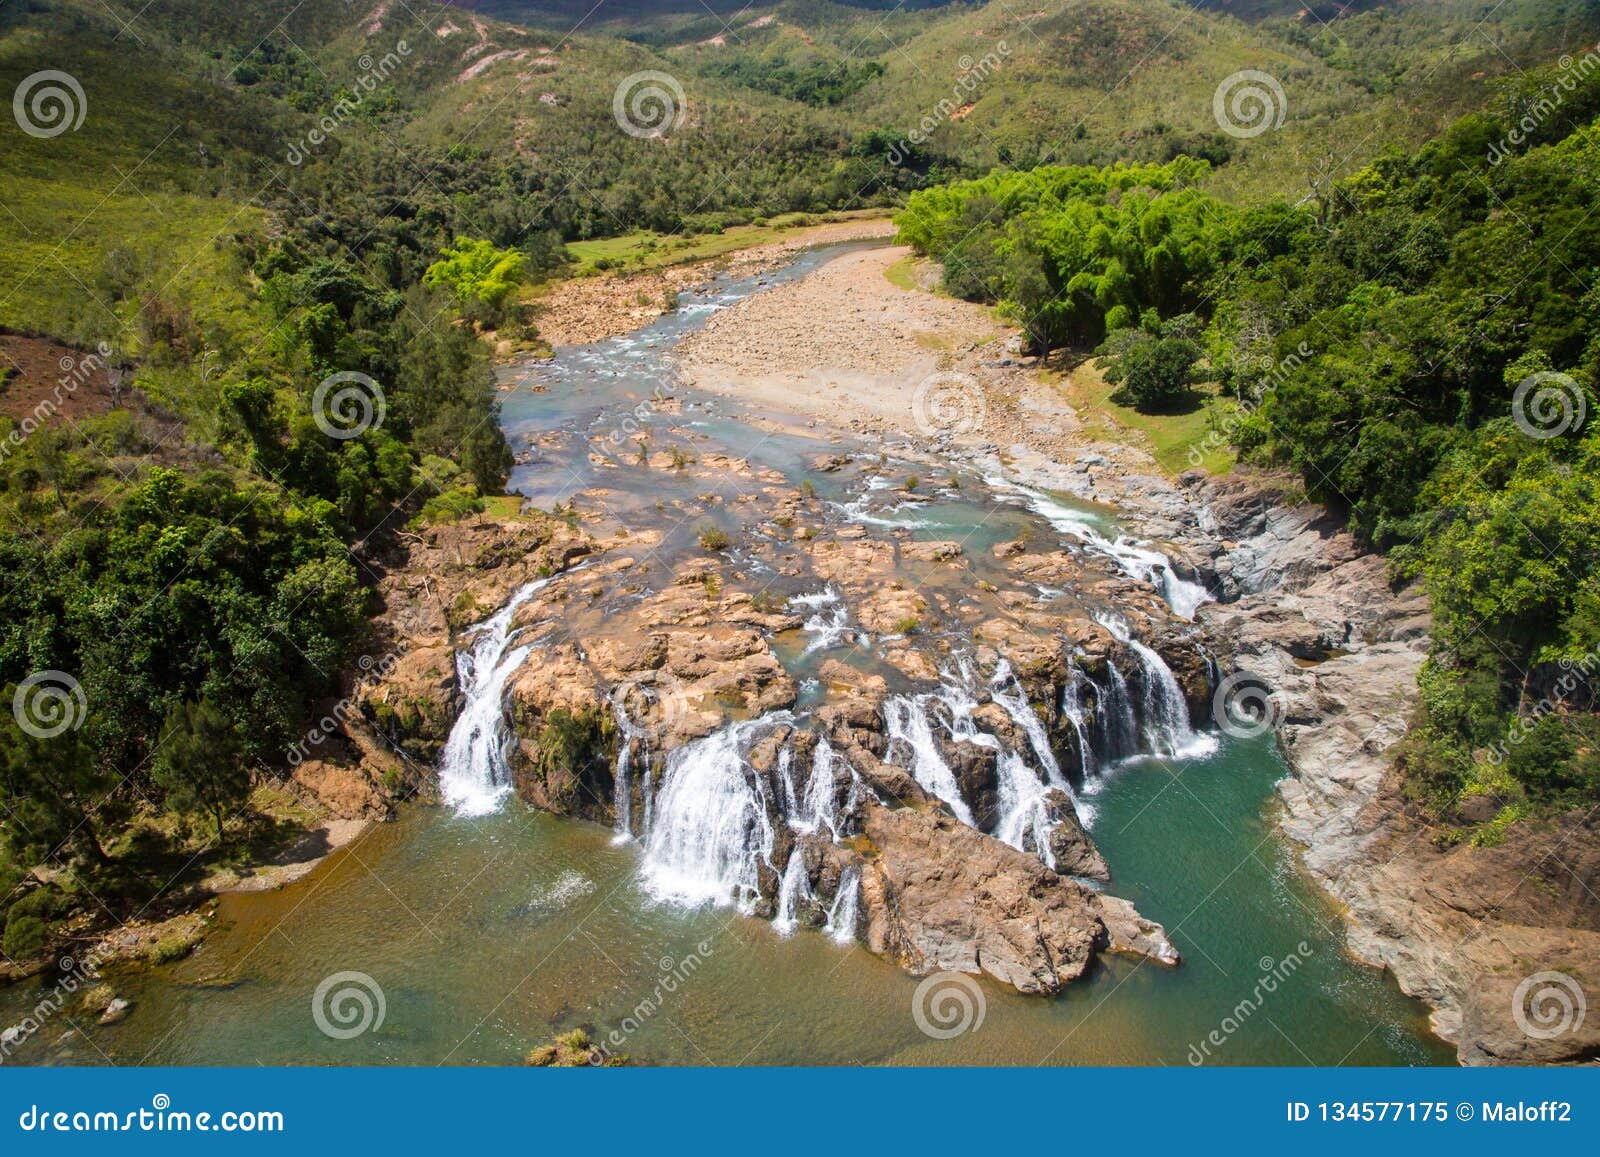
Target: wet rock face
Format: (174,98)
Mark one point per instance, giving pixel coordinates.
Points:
(940,896)
(642,658)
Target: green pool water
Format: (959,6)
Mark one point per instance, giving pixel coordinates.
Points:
(489,936)
(485,937)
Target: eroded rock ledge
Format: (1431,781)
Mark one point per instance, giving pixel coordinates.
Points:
(640,646)
(1462,927)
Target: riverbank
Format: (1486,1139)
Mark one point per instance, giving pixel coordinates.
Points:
(1305,612)
(591,308)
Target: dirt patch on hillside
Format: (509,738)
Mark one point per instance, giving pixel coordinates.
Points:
(44,378)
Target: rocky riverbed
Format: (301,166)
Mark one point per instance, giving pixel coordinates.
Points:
(879,786)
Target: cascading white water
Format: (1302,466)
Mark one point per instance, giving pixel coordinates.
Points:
(1115,714)
(475,771)
(710,833)
(1141,562)
(1072,711)
(817,806)
(841,924)
(1022,817)
(624,797)
(1167,731)
(906,718)
(829,622)
(794,888)
(1035,818)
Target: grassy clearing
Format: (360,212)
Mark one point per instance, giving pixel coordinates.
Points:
(503,506)
(1176,441)
(646,250)
(903,273)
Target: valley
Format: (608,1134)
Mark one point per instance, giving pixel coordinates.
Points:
(801,533)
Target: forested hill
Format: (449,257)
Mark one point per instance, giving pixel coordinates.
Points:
(1420,343)
(247,252)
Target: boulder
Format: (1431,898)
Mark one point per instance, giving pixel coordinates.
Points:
(940,896)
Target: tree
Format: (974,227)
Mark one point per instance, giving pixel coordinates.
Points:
(477,271)
(199,763)
(51,790)
(1155,370)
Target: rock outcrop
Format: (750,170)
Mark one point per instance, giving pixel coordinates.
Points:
(1334,648)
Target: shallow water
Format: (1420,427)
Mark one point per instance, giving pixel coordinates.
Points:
(491,934)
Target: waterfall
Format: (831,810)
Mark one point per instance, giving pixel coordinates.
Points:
(475,770)
(1023,812)
(1072,711)
(794,888)
(841,924)
(1022,817)
(906,718)
(1167,731)
(710,832)
(624,801)
(1138,561)
(818,806)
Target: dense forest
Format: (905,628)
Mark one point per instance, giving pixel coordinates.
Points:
(1418,343)
(276,238)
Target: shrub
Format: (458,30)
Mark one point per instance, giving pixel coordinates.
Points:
(25,936)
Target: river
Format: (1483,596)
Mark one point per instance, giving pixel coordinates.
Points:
(483,929)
